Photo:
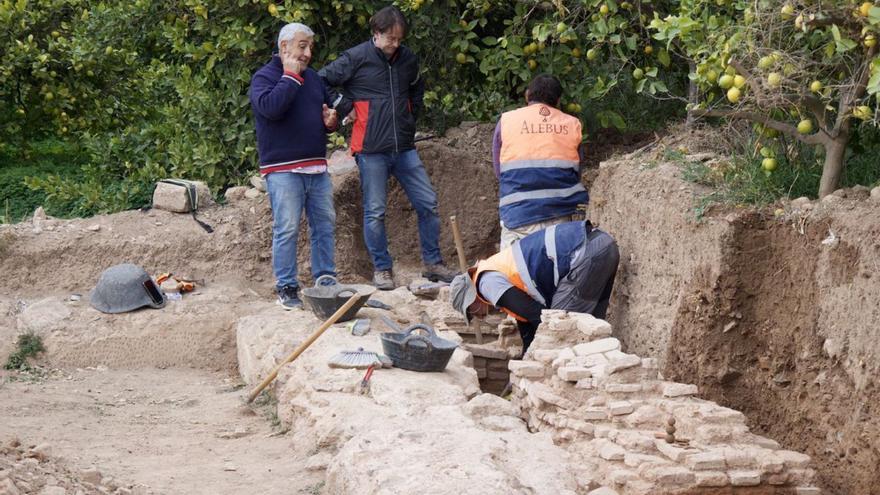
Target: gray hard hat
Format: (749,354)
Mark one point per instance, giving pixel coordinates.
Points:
(462,294)
(125,287)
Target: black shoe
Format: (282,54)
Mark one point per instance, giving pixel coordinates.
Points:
(439,273)
(288,297)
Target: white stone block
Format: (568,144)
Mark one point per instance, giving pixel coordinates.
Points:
(667,475)
(623,388)
(572,373)
(706,461)
(620,408)
(792,459)
(590,360)
(810,490)
(585,383)
(744,459)
(712,479)
(672,389)
(635,460)
(602,491)
(546,356)
(593,413)
(625,362)
(591,326)
(526,369)
(610,451)
(171,197)
(596,346)
(744,478)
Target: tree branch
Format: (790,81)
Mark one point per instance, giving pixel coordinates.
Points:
(790,130)
(848,99)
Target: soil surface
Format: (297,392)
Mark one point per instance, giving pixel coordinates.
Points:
(147,431)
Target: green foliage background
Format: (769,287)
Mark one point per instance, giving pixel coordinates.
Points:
(149,89)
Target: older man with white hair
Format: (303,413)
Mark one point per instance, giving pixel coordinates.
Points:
(293,114)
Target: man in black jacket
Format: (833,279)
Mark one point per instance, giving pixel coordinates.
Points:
(380,82)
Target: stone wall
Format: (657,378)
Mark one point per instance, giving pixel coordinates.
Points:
(638,433)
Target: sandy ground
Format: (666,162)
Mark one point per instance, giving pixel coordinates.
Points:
(157,431)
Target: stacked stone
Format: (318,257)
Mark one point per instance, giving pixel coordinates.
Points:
(638,433)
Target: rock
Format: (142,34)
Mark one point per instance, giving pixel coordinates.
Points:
(602,491)
(620,408)
(833,348)
(744,478)
(875,194)
(610,451)
(596,346)
(526,369)
(319,461)
(252,193)
(236,193)
(488,405)
(41,451)
(92,475)
(800,203)
(706,461)
(671,389)
(40,214)
(93,228)
(572,373)
(592,327)
(258,183)
(859,192)
(841,193)
(621,363)
(832,198)
(175,198)
(341,162)
(43,316)
(7,487)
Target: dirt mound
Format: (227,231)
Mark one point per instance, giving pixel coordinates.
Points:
(769,314)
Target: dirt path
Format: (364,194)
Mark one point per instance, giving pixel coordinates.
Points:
(160,431)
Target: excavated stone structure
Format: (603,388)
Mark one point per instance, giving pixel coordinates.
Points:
(584,418)
(640,434)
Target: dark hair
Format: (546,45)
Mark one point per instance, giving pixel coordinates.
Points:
(386,19)
(546,89)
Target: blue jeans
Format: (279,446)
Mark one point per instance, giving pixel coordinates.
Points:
(289,193)
(375,169)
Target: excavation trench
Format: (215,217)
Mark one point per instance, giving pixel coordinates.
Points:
(759,311)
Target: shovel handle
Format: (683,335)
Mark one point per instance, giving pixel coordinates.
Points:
(302,347)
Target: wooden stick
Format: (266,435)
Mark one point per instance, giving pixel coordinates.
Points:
(462,265)
(462,261)
(302,347)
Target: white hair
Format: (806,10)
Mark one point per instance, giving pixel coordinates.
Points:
(289,31)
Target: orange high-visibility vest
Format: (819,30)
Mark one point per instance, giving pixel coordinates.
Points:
(505,264)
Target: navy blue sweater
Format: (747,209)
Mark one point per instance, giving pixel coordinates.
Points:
(287,110)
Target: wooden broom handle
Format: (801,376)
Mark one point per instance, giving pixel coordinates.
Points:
(302,347)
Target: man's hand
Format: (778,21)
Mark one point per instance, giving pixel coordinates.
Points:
(291,63)
(350,118)
(329,115)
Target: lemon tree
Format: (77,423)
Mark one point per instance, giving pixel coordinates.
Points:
(807,70)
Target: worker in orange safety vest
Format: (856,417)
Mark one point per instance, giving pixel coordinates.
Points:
(569,266)
(536,152)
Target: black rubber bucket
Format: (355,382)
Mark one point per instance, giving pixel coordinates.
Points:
(411,351)
(326,300)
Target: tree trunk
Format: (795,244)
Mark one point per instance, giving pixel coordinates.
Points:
(833,167)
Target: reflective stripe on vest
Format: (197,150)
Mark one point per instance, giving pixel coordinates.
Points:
(539,165)
(550,245)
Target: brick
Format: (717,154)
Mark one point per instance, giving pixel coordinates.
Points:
(479,362)
(712,413)
(578,425)
(634,441)
(667,475)
(769,462)
(490,351)
(528,369)
(622,388)
(673,452)
(716,434)
(619,408)
(706,461)
(610,451)
(591,326)
(614,354)
(593,414)
(598,371)
(650,363)
(481,373)
(596,401)
(573,373)
(744,478)
(622,363)
(807,490)
(603,431)
(585,383)
(590,360)
(635,460)
(497,375)
(712,479)
(596,346)
(645,417)
(739,458)
(565,325)
(792,459)
(671,389)
(545,356)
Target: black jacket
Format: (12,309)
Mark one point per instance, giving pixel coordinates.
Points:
(387,95)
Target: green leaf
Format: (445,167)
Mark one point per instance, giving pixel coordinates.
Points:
(663,57)
(608,118)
